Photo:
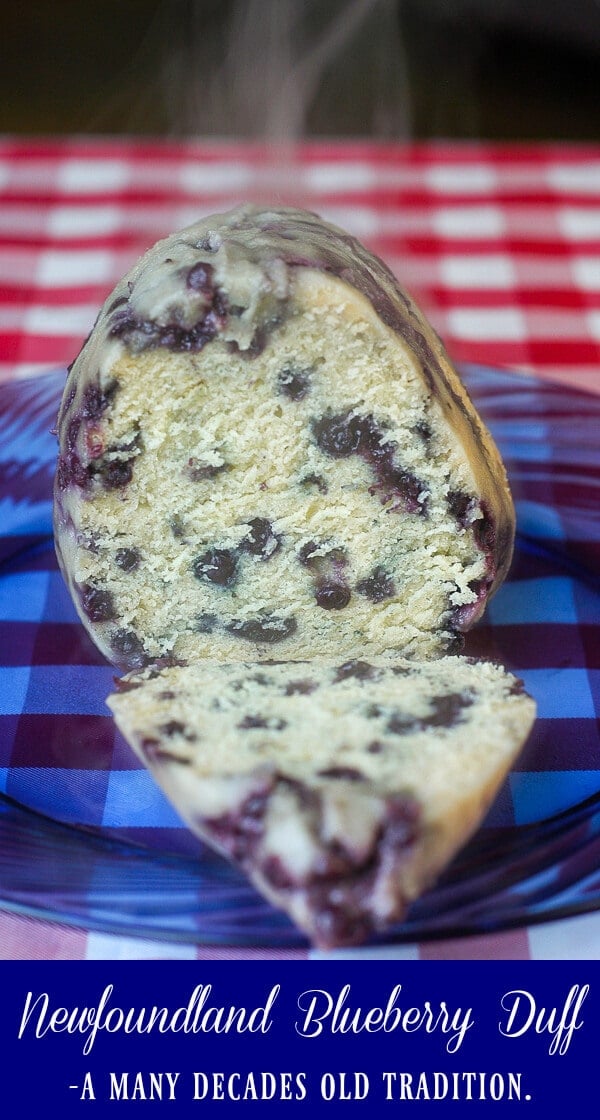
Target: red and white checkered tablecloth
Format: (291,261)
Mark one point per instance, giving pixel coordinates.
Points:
(500,245)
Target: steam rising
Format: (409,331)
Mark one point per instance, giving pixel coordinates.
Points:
(282,71)
(277,71)
(285,58)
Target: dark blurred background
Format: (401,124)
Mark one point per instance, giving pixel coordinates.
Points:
(497,69)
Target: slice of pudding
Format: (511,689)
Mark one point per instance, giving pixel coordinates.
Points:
(264,452)
(342,789)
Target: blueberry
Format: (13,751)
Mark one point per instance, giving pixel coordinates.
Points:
(173,727)
(257,343)
(374,711)
(331,590)
(199,472)
(128,558)
(348,773)
(360,670)
(128,645)
(116,473)
(144,334)
(275,872)
(300,688)
(338,436)
(239,831)
(71,471)
(407,486)
(346,434)
(447,710)
(73,429)
(249,723)
(123,320)
(306,554)
(261,540)
(423,430)
(378,586)
(97,400)
(294,382)
(484,530)
(155,753)
(217,565)
(332,596)
(460,506)
(401,724)
(375,747)
(200,279)
(404,815)
(372,440)
(89,541)
(205,623)
(268,629)
(97,603)
(253,722)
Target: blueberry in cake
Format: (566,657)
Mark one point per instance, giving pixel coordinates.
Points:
(264,452)
(341,789)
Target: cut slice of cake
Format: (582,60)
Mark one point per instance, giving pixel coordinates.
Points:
(341,788)
(265,452)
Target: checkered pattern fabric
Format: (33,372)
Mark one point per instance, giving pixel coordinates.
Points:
(500,246)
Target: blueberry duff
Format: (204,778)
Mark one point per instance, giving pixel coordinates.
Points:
(341,789)
(264,431)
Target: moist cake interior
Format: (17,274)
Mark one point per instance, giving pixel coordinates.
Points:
(301,497)
(341,789)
